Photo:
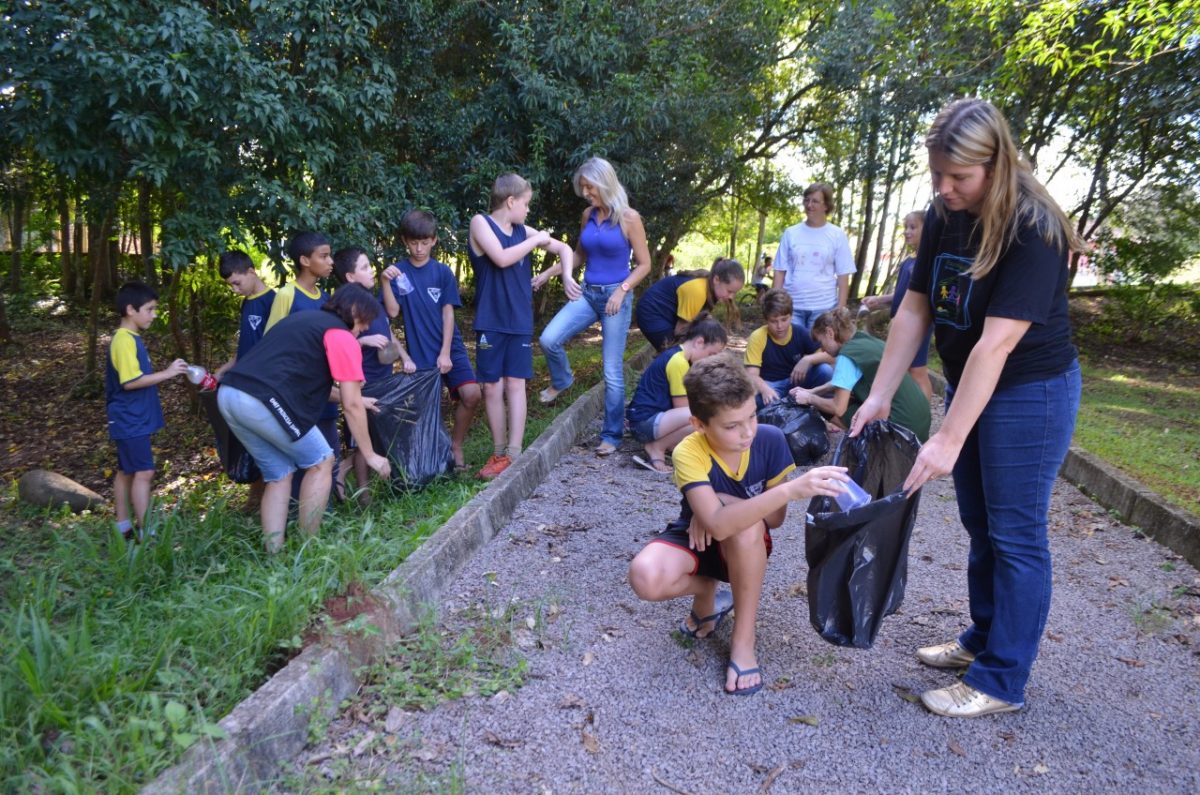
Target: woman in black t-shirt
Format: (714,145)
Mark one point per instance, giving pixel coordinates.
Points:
(991,276)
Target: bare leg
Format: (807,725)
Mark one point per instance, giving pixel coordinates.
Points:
(674,426)
(746,559)
(140,494)
(493,406)
(362,479)
(464,413)
(662,571)
(314,495)
(921,376)
(514,390)
(276,496)
(121,487)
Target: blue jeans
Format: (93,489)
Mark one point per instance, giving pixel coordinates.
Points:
(817,375)
(1003,479)
(273,449)
(574,318)
(806,317)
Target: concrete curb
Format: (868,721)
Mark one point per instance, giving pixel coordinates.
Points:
(1134,503)
(271,725)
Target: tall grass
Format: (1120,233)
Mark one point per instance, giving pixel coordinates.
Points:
(116,658)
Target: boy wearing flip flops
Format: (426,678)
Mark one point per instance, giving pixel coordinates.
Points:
(733,476)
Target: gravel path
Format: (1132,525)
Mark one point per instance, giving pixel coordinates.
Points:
(614,704)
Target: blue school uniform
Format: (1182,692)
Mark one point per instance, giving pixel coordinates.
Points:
(255,311)
(774,359)
(422,293)
(373,369)
(503,296)
(131,412)
(662,381)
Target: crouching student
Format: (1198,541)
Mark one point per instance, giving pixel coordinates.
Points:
(273,397)
(658,414)
(781,354)
(733,476)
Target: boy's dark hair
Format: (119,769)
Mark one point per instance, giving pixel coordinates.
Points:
(777,302)
(234,261)
(718,382)
(344,260)
(303,244)
(353,302)
(707,328)
(136,294)
(418,225)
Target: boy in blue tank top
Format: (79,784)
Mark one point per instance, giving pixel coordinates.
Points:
(426,292)
(499,248)
(131,402)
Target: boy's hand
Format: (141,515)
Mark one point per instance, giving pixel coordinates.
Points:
(698,537)
(826,481)
(177,368)
(539,281)
(373,341)
(380,465)
(800,371)
(389,273)
(768,394)
(541,239)
(800,395)
(408,366)
(443,363)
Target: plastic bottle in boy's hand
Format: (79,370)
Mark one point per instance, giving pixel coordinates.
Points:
(201,378)
(853,496)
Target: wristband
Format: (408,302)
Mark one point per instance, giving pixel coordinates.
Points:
(625,286)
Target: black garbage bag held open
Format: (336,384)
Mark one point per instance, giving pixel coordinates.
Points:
(237,462)
(407,427)
(803,426)
(858,559)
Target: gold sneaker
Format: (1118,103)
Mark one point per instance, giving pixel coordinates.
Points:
(947,655)
(960,700)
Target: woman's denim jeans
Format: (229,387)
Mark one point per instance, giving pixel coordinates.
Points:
(574,318)
(1003,480)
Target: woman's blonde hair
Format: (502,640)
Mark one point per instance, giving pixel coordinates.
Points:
(972,132)
(601,174)
(508,186)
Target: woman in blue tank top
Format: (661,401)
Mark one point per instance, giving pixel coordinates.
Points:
(610,233)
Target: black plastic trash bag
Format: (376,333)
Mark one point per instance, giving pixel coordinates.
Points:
(803,426)
(408,426)
(858,559)
(238,464)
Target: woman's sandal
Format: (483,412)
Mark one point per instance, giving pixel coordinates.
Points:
(745,691)
(637,459)
(723,604)
(605,449)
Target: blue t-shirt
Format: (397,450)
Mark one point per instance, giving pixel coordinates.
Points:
(422,293)
(607,251)
(660,307)
(503,296)
(373,369)
(662,381)
(774,360)
(131,412)
(255,311)
(902,280)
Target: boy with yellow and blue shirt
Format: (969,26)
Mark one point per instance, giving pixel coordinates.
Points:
(132,404)
(732,474)
(781,354)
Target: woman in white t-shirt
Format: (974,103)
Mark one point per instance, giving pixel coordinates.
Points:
(813,262)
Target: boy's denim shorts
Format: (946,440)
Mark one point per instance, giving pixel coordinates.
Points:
(274,450)
(134,455)
(646,430)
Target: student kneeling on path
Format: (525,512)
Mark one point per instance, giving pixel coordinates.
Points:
(274,396)
(733,475)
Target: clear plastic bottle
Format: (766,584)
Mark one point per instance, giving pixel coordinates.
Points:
(201,378)
(853,496)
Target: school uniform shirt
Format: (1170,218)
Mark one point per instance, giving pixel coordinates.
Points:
(503,296)
(813,258)
(131,412)
(671,299)
(765,464)
(422,293)
(775,360)
(255,311)
(292,298)
(373,369)
(1028,282)
(662,381)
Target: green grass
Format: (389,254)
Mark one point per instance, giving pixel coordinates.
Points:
(1149,427)
(114,659)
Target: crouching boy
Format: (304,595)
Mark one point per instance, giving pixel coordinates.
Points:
(733,476)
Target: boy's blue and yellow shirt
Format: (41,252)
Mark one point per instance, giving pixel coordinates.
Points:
(765,464)
(131,412)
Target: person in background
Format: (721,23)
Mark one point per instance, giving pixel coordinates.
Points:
(991,277)
(781,354)
(813,261)
(670,304)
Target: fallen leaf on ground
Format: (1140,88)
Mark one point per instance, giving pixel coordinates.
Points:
(955,748)
(1041,768)
(770,780)
(588,658)
(798,589)
(1054,636)
(364,744)
(907,694)
(570,700)
(1131,662)
(590,743)
(807,720)
(395,719)
(501,742)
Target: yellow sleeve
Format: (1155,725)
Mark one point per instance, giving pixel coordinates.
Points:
(691,460)
(281,307)
(691,296)
(123,352)
(677,368)
(782,476)
(755,347)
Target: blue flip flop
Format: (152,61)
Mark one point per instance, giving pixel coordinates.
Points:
(723,603)
(746,691)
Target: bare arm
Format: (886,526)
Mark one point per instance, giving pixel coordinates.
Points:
(843,289)
(484,241)
(723,521)
(356,418)
(904,337)
(390,304)
(835,405)
(175,368)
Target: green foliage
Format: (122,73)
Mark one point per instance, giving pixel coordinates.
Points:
(1152,236)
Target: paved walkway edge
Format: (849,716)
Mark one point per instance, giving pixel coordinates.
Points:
(271,725)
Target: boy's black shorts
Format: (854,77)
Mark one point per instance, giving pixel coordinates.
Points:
(710,562)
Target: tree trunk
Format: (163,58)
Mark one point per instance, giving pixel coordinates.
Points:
(5,329)
(733,230)
(77,260)
(97,256)
(146,233)
(762,234)
(173,322)
(65,266)
(113,243)
(17,227)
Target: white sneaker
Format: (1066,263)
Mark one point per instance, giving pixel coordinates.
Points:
(946,655)
(960,700)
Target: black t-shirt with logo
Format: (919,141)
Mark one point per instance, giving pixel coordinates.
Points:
(1029,282)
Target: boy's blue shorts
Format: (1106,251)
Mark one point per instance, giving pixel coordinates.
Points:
(499,355)
(461,373)
(134,455)
(710,562)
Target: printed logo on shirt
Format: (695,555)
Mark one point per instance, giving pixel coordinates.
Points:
(951,291)
(483,342)
(254,320)
(435,293)
(755,489)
